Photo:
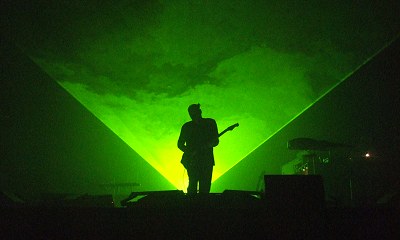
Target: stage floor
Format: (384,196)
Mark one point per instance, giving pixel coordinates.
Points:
(207,218)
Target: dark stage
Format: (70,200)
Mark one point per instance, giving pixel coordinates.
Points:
(214,217)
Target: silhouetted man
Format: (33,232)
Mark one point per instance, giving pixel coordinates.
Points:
(196,141)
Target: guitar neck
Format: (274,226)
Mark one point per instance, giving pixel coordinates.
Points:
(228,129)
(223,132)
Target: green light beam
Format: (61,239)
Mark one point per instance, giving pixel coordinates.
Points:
(319,98)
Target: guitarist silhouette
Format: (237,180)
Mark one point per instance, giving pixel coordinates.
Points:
(197,140)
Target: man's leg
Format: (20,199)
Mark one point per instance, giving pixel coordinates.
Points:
(205,179)
(193,175)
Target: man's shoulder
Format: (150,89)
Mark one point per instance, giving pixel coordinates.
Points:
(187,124)
(192,124)
(209,119)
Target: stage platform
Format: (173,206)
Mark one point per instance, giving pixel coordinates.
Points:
(212,217)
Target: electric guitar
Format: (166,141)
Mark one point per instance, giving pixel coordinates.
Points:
(188,156)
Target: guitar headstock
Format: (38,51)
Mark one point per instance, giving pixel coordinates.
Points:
(230,128)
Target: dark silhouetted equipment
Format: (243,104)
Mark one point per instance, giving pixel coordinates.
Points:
(314,153)
(71,200)
(116,188)
(312,144)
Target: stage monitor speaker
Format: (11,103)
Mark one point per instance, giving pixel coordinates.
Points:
(8,199)
(93,201)
(171,198)
(294,192)
(240,198)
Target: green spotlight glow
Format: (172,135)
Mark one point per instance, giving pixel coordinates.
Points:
(261,89)
(153,132)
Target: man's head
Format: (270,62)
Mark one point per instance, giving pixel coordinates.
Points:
(194,111)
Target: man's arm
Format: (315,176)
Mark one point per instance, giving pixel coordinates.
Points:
(182,140)
(214,130)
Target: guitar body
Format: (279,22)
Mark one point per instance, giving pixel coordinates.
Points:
(187,157)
